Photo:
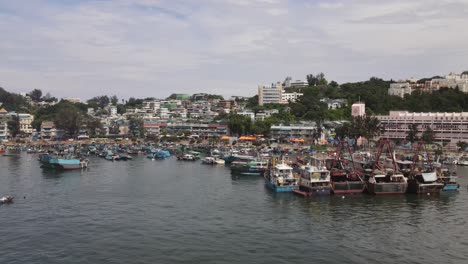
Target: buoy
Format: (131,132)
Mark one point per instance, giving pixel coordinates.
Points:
(342,197)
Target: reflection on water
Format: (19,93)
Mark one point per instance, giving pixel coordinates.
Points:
(165,211)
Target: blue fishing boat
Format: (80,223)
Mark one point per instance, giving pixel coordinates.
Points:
(254,167)
(280,178)
(63,163)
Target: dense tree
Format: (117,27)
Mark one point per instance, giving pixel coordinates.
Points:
(114,100)
(428,135)
(14,126)
(69,119)
(13,102)
(35,95)
(94,126)
(136,126)
(99,101)
(412,133)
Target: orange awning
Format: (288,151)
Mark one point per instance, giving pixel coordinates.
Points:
(224,138)
(298,140)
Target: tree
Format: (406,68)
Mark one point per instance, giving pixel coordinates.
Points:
(35,95)
(428,135)
(14,126)
(70,120)
(94,126)
(114,100)
(412,133)
(136,126)
(462,145)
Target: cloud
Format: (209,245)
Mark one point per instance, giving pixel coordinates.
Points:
(154,47)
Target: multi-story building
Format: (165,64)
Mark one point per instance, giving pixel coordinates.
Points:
(48,130)
(4,118)
(248,113)
(286,97)
(113,110)
(270,95)
(25,121)
(400,89)
(287,132)
(201,130)
(358,109)
(448,127)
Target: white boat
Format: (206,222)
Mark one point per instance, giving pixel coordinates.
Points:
(208,160)
(6,199)
(280,178)
(314,181)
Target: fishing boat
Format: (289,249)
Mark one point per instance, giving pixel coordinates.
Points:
(280,178)
(68,162)
(235,157)
(212,161)
(187,157)
(448,179)
(380,180)
(314,181)
(254,167)
(6,199)
(345,178)
(423,179)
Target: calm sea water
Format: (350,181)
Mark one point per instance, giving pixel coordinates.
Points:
(144,211)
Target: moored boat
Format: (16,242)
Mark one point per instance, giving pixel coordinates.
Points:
(254,167)
(314,181)
(280,178)
(345,178)
(380,180)
(63,163)
(6,199)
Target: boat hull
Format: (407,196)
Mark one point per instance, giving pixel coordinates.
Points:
(451,187)
(386,188)
(313,192)
(348,187)
(281,189)
(424,188)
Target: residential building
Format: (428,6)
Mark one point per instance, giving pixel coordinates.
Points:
(248,113)
(400,89)
(286,97)
(261,115)
(270,95)
(4,118)
(224,104)
(358,109)
(26,123)
(334,103)
(47,130)
(448,127)
(72,100)
(113,110)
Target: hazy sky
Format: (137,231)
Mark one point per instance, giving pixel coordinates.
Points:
(152,48)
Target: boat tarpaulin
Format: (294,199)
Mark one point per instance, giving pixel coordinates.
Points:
(429,176)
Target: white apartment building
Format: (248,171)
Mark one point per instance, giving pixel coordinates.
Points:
(286,97)
(113,110)
(270,95)
(4,118)
(248,113)
(448,127)
(400,89)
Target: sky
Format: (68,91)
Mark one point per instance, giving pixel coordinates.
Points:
(153,48)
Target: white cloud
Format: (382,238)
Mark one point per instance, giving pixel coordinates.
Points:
(154,47)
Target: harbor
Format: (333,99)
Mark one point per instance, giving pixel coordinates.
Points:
(179,212)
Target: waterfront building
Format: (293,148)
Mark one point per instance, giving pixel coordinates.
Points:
(261,115)
(448,127)
(270,94)
(400,89)
(48,130)
(26,123)
(4,118)
(296,131)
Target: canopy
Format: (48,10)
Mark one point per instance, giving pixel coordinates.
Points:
(224,138)
(298,140)
(248,138)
